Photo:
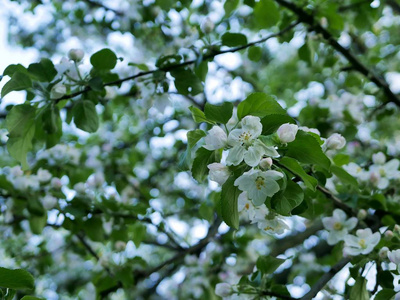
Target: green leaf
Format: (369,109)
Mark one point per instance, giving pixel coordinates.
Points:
(385,294)
(229,203)
(203,158)
(20,124)
(199,116)
(18,82)
(219,113)
(271,122)
(139,233)
(31,298)
(293,166)
(260,105)
(268,264)
(359,290)
(11,69)
(266,13)
(254,53)
(306,149)
(193,136)
(37,223)
(284,202)
(17,279)
(104,59)
(94,229)
(44,70)
(231,39)
(307,52)
(341,159)
(85,116)
(230,6)
(345,177)
(186,82)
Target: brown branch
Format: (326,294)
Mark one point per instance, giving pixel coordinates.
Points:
(183,64)
(309,19)
(326,278)
(93,3)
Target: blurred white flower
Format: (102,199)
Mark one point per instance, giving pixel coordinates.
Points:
(362,243)
(76,54)
(58,91)
(338,226)
(273,226)
(49,202)
(43,175)
(266,163)
(207,25)
(223,289)
(378,158)
(394,257)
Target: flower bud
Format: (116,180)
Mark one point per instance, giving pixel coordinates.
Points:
(76,54)
(383,252)
(335,142)
(287,132)
(388,235)
(379,158)
(397,228)
(362,214)
(223,290)
(207,25)
(120,246)
(266,163)
(58,91)
(56,183)
(218,172)
(43,175)
(216,138)
(80,188)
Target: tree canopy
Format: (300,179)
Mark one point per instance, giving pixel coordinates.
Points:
(201,149)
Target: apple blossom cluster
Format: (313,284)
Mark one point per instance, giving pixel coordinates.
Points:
(379,174)
(339,226)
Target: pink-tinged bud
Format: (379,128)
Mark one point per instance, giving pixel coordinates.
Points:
(207,25)
(76,54)
(219,172)
(379,158)
(362,214)
(266,163)
(388,235)
(383,252)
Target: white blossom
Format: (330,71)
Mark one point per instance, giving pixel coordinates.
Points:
(56,183)
(378,158)
(380,175)
(245,143)
(49,202)
(274,225)
(58,91)
(287,132)
(76,54)
(80,188)
(223,289)
(266,163)
(338,226)
(218,172)
(43,175)
(259,184)
(394,257)
(383,252)
(216,138)
(207,25)
(335,142)
(307,129)
(362,243)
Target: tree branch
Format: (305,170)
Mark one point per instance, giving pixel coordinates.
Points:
(326,278)
(183,64)
(309,19)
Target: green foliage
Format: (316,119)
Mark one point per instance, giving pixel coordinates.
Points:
(266,13)
(293,166)
(43,71)
(359,290)
(285,201)
(268,264)
(260,105)
(229,203)
(186,81)
(104,59)
(232,39)
(16,279)
(19,81)
(203,158)
(218,113)
(306,149)
(20,125)
(85,116)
